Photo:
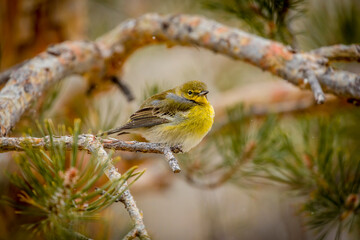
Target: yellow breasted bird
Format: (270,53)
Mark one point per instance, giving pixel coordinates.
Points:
(179,116)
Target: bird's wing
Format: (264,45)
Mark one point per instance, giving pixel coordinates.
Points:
(147,117)
(144,117)
(155,112)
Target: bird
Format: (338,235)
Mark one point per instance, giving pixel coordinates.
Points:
(180,116)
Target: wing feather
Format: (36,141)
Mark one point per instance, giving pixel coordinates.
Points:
(155,112)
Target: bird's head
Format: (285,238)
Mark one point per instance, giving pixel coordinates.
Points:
(194,90)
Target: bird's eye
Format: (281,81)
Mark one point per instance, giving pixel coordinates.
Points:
(190,92)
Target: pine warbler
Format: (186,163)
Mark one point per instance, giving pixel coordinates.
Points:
(181,116)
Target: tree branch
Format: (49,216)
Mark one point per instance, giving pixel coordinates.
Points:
(131,234)
(193,30)
(106,56)
(93,145)
(144,147)
(339,52)
(29,82)
(17,144)
(315,86)
(5,75)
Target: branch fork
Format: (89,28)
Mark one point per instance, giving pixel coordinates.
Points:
(310,78)
(144,147)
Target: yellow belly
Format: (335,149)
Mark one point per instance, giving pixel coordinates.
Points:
(199,121)
(186,130)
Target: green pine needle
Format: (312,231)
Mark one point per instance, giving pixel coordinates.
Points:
(57,192)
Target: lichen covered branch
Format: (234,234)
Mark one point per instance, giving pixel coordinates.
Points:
(339,52)
(29,81)
(134,146)
(93,145)
(315,86)
(5,75)
(198,31)
(16,144)
(132,234)
(171,160)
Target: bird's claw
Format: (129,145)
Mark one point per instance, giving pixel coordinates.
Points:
(177,149)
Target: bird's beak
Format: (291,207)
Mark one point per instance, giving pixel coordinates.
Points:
(203,93)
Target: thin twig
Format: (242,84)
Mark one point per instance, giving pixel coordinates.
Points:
(339,52)
(124,88)
(93,144)
(315,86)
(171,160)
(16,144)
(131,234)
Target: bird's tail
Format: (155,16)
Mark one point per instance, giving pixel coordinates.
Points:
(118,130)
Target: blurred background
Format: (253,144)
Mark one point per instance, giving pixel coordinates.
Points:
(251,203)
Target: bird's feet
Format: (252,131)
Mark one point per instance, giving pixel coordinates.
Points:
(176,148)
